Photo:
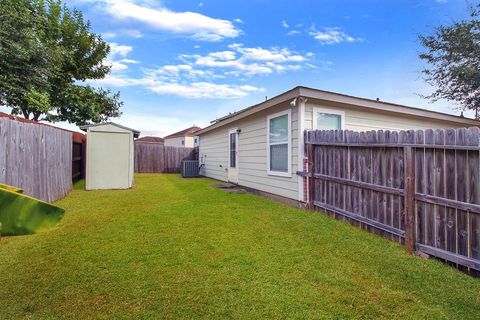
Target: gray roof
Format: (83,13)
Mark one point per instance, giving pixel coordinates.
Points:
(311,93)
(136,133)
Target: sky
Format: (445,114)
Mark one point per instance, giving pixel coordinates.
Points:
(180,63)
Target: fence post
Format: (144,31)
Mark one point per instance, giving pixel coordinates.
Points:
(311,179)
(409,197)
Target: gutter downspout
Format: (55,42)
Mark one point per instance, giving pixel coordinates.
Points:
(300,103)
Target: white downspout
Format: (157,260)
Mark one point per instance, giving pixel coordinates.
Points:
(300,102)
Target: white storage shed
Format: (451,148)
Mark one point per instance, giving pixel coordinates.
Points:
(110,156)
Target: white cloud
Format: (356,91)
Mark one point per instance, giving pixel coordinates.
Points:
(199,26)
(205,90)
(293,32)
(134,33)
(170,80)
(198,75)
(274,55)
(118,81)
(285,24)
(118,66)
(130,61)
(333,35)
(116,59)
(119,50)
(242,60)
(109,35)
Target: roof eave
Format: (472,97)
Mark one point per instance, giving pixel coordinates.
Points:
(281,98)
(311,93)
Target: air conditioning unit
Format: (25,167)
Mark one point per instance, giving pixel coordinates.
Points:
(190,169)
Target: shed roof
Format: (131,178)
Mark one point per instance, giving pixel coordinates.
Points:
(317,94)
(184,133)
(136,133)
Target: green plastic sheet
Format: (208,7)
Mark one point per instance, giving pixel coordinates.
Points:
(21,214)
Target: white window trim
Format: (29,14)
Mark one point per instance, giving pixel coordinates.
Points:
(289,144)
(233,130)
(316,110)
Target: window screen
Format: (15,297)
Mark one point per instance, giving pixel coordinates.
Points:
(278,143)
(233,150)
(328,121)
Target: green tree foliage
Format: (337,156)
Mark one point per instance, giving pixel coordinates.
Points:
(453,57)
(24,67)
(46,50)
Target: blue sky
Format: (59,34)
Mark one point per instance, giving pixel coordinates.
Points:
(178,63)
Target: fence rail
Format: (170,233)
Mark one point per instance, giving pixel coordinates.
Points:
(36,158)
(420,188)
(157,158)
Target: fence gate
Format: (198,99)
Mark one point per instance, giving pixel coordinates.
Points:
(78,160)
(418,187)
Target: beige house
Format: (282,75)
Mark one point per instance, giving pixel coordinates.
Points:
(185,138)
(261,147)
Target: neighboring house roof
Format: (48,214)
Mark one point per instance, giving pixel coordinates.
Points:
(316,94)
(76,136)
(136,133)
(184,133)
(150,139)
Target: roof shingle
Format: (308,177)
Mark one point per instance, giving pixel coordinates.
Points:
(184,133)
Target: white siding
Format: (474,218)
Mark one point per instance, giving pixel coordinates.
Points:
(360,120)
(213,154)
(252,154)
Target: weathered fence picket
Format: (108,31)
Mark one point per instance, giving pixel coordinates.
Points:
(36,158)
(420,188)
(157,158)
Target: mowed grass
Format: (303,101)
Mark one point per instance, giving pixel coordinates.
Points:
(178,248)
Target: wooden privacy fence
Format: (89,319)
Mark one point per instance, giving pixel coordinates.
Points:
(420,188)
(78,160)
(36,158)
(157,158)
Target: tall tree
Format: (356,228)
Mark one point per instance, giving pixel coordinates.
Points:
(73,54)
(453,57)
(24,61)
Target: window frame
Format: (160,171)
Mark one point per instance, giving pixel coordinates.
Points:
(289,144)
(235,131)
(340,113)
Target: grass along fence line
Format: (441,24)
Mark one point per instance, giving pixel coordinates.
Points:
(178,248)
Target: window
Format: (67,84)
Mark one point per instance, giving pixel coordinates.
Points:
(327,119)
(233,150)
(183,142)
(279,144)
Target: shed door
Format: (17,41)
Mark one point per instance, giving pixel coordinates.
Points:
(109,160)
(233,156)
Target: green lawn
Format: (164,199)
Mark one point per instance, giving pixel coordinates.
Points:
(176,248)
